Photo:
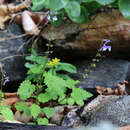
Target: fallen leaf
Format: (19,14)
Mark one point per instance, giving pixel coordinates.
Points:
(29,25)
(10,101)
(7,11)
(121,89)
(21,117)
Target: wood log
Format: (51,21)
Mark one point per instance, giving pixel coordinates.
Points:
(86,39)
(15,126)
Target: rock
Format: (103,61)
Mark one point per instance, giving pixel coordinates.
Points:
(60,112)
(11,58)
(101,126)
(114,109)
(85,39)
(72,119)
(108,73)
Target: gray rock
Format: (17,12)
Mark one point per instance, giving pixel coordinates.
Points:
(12,65)
(107,73)
(72,119)
(114,109)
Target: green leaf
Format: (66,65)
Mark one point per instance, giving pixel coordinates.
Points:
(36,69)
(93,7)
(79,95)
(70,101)
(73,8)
(71,83)
(83,18)
(105,2)
(7,113)
(63,76)
(27,111)
(37,5)
(25,90)
(20,106)
(49,112)
(56,85)
(35,110)
(64,101)
(66,67)
(56,4)
(124,6)
(44,97)
(28,65)
(42,121)
(87,1)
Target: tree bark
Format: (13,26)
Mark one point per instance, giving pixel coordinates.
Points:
(86,39)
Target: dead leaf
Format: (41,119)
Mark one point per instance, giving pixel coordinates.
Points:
(10,101)
(121,89)
(7,95)
(8,10)
(29,25)
(21,117)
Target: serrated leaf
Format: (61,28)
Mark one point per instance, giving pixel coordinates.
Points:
(56,86)
(66,67)
(44,97)
(105,2)
(124,6)
(35,110)
(73,8)
(27,111)
(20,106)
(64,101)
(80,102)
(7,113)
(71,83)
(79,95)
(70,101)
(36,69)
(49,112)
(26,89)
(42,121)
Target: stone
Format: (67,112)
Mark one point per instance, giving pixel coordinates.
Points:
(72,119)
(11,56)
(114,109)
(108,73)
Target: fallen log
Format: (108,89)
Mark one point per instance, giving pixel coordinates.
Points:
(86,39)
(15,126)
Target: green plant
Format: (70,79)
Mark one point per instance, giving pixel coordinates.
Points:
(45,83)
(78,10)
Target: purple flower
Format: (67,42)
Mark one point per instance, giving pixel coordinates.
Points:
(104,47)
(54,18)
(6,80)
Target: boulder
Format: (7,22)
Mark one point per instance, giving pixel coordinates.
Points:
(114,109)
(108,73)
(12,53)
